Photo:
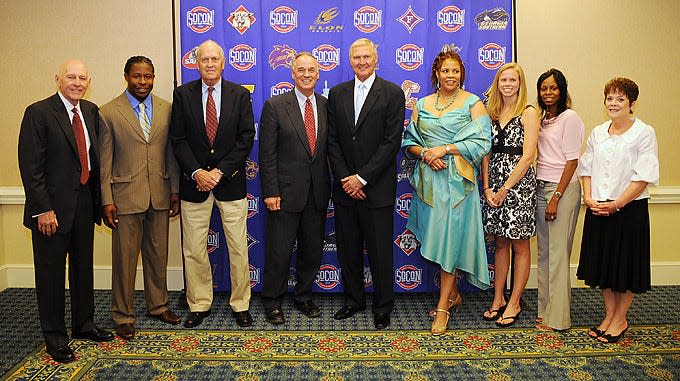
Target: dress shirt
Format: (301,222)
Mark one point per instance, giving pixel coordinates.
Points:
(614,161)
(134,102)
(217,97)
(302,101)
(69,106)
(368,83)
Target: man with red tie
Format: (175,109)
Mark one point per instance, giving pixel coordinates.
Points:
(59,169)
(295,187)
(212,131)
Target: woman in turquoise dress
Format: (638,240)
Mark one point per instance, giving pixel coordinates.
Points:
(450,134)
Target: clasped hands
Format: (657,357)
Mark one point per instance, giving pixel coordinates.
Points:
(495,199)
(604,208)
(433,157)
(353,187)
(207,180)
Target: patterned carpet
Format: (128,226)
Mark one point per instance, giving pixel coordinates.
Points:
(325,349)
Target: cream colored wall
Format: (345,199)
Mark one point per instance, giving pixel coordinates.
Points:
(591,41)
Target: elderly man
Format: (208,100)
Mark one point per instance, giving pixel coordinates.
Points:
(295,187)
(212,132)
(140,186)
(366,119)
(59,168)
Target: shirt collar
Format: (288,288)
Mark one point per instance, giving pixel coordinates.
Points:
(217,86)
(69,106)
(368,82)
(301,98)
(134,102)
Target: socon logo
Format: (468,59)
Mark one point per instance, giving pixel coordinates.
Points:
(409,19)
(200,19)
(492,19)
(283,19)
(328,56)
(282,87)
(253,204)
(241,19)
(251,169)
(323,20)
(367,19)
(242,57)
(189,59)
(281,55)
(213,241)
(450,18)
(409,56)
(409,87)
(328,277)
(492,56)
(408,277)
(407,242)
(402,204)
(254,275)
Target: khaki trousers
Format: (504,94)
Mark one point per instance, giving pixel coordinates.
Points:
(197,269)
(555,240)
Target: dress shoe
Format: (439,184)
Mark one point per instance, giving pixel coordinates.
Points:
(168,316)
(97,334)
(308,308)
(346,312)
(195,318)
(125,331)
(274,315)
(62,354)
(243,318)
(381,320)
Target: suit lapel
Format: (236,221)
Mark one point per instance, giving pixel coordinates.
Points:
(226,106)
(371,98)
(90,115)
(296,119)
(157,112)
(196,99)
(61,115)
(125,109)
(349,105)
(323,126)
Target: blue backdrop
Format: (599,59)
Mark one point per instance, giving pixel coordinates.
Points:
(260,39)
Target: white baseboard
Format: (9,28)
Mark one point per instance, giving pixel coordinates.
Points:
(21,276)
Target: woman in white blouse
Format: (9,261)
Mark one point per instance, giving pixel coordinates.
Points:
(619,163)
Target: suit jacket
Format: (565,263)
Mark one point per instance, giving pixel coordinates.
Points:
(370,147)
(132,170)
(49,164)
(287,166)
(234,139)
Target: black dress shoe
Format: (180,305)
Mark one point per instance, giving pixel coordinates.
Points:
(195,318)
(125,331)
(97,334)
(274,315)
(346,312)
(381,320)
(243,318)
(308,308)
(62,354)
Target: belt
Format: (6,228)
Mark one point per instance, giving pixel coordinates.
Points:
(507,149)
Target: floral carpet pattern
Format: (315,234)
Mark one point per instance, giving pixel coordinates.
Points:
(646,352)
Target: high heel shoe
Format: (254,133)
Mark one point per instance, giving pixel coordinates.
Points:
(452,303)
(496,313)
(594,332)
(440,329)
(609,339)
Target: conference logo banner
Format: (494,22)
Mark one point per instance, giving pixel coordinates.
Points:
(260,39)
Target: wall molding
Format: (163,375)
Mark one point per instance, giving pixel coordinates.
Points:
(658,195)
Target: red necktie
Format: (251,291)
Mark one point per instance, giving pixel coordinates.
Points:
(211,116)
(310,125)
(79,133)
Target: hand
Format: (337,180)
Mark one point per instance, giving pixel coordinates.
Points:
(47,223)
(111,216)
(489,198)
(437,164)
(604,209)
(433,154)
(500,196)
(551,209)
(273,203)
(353,187)
(205,182)
(174,204)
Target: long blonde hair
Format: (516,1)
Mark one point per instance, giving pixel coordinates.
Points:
(494,99)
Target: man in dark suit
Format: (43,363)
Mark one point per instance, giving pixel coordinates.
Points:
(366,119)
(212,131)
(295,187)
(140,191)
(59,168)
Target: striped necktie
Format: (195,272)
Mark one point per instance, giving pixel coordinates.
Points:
(144,121)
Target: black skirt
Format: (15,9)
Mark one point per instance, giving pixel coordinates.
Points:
(615,249)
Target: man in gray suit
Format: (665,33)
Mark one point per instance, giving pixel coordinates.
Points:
(140,186)
(295,187)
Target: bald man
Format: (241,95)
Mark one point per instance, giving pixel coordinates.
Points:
(60,172)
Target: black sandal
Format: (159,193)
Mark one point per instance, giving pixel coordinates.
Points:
(497,312)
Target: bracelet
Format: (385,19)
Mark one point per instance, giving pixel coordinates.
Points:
(557,195)
(447,148)
(616,206)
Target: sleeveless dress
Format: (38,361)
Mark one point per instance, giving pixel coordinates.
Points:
(516,217)
(446,216)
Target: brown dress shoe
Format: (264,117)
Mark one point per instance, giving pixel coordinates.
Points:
(125,331)
(168,316)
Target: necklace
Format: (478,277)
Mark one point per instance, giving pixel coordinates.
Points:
(453,99)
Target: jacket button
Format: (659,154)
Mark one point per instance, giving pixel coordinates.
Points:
(212,151)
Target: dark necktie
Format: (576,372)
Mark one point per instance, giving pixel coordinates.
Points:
(310,125)
(79,133)
(211,116)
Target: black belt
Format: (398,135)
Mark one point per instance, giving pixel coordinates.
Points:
(507,149)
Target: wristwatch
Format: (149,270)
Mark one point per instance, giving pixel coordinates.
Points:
(557,195)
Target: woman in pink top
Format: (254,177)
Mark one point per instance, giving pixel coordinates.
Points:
(558,194)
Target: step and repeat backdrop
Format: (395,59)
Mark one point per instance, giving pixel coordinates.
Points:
(260,39)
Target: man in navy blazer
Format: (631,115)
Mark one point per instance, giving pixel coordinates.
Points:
(212,131)
(59,168)
(366,120)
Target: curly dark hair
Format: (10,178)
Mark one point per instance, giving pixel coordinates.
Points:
(439,61)
(565,100)
(624,86)
(135,60)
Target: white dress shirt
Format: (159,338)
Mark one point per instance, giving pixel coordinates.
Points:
(302,102)
(69,106)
